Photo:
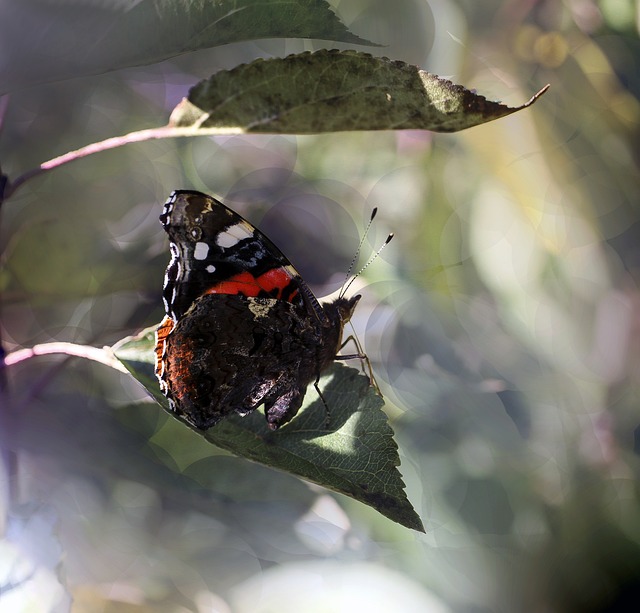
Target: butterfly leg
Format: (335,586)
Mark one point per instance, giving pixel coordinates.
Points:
(327,421)
(364,359)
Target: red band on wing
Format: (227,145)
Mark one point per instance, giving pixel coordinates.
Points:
(245,284)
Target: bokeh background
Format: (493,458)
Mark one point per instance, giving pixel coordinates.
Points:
(503,325)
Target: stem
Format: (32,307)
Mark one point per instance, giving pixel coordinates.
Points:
(114,142)
(104,355)
(4,106)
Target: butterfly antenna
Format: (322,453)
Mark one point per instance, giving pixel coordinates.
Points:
(344,289)
(357,253)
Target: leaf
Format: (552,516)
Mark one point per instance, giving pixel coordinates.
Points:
(49,41)
(329,91)
(355,456)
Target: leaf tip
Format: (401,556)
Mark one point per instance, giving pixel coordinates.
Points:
(536,95)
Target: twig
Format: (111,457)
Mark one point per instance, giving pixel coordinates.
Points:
(113,143)
(104,355)
(4,105)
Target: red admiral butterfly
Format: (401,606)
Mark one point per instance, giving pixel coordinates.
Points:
(242,328)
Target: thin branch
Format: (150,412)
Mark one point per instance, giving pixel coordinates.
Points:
(104,355)
(4,106)
(112,143)
(4,180)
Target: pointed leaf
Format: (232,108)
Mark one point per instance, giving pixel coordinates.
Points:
(355,456)
(49,41)
(330,91)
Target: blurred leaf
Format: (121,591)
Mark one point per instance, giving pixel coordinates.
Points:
(83,37)
(330,91)
(79,268)
(357,456)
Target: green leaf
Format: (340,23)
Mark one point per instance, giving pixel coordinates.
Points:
(49,41)
(329,91)
(355,456)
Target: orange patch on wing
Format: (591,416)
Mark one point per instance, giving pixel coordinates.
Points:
(164,329)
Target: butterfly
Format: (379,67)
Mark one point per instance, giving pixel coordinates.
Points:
(242,329)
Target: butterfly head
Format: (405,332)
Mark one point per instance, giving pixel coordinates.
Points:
(345,307)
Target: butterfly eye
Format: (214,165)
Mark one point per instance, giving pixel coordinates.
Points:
(196,233)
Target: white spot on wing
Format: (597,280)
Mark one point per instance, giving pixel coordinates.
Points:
(234,234)
(210,268)
(201,251)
